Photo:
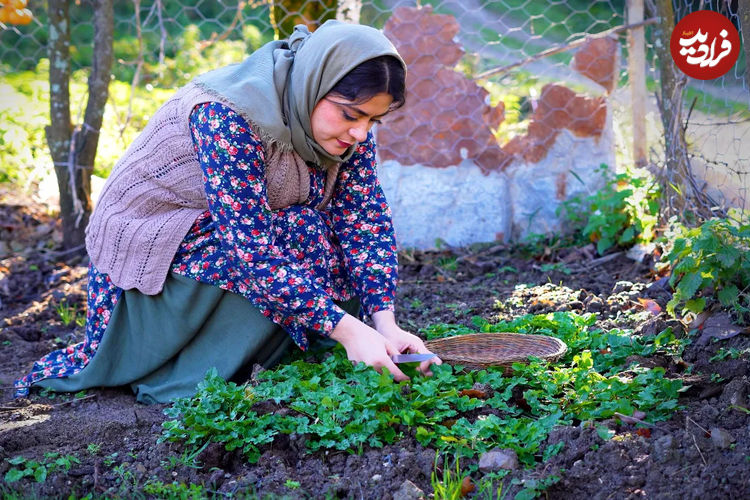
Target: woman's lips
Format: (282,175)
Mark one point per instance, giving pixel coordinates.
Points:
(343,144)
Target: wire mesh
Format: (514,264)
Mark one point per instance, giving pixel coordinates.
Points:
(161,44)
(716,122)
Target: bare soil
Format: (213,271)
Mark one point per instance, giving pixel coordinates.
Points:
(116,440)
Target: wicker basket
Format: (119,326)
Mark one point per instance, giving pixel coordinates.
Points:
(481,350)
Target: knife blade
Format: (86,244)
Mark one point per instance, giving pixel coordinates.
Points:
(411,358)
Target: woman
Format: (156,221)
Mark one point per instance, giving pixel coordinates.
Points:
(245,216)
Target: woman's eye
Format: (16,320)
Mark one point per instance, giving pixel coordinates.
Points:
(348,117)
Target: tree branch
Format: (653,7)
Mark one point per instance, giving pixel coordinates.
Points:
(563,48)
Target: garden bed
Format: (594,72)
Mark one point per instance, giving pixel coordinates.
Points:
(681,433)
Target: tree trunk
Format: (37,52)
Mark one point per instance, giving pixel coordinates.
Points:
(286,14)
(60,130)
(743,11)
(74,150)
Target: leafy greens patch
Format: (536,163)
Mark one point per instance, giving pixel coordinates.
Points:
(335,405)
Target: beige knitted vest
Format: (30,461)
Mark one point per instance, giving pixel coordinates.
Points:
(156,192)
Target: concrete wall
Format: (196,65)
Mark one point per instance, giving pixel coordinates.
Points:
(444,173)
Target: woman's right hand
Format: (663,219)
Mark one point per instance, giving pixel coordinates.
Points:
(365,344)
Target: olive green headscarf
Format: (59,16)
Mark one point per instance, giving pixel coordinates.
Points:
(277,87)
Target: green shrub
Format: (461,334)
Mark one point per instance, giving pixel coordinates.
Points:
(623,213)
(711,262)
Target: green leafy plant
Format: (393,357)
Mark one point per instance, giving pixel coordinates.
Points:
(533,488)
(110,459)
(624,212)
(23,467)
(711,262)
(337,406)
(159,489)
(292,485)
(724,353)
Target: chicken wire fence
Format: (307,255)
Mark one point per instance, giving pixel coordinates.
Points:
(511,48)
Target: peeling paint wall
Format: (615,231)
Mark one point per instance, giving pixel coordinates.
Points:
(443,171)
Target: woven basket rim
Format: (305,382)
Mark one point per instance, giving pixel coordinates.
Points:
(481,349)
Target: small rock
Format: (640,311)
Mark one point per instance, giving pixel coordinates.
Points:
(651,328)
(496,459)
(622,286)
(4,249)
(376,478)
(485,388)
(140,468)
(660,285)
(640,251)
(408,491)
(595,305)
(735,392)
(217,478)
(228,487)
(721,438)
(664,448)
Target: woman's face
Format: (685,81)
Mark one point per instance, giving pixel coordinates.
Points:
(338,123)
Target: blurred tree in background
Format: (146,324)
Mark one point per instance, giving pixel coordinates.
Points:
(73,147)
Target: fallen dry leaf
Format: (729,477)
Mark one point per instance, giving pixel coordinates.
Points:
(449,422)
(474,393)
(650,306)
(467,486)
(644,432)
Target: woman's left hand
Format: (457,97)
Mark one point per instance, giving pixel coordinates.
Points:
(405,342)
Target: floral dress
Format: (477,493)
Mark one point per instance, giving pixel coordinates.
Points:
(291,264)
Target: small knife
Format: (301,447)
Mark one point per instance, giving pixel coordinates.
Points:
(411,358)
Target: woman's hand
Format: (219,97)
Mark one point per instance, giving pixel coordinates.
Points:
(362,343)
(385,324)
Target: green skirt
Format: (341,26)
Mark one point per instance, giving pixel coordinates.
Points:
(163,345)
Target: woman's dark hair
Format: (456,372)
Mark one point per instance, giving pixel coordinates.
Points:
(381,74)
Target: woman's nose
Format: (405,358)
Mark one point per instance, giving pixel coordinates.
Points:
(359,133)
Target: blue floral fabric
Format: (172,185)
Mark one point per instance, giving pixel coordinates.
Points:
(101,298)
(292,264)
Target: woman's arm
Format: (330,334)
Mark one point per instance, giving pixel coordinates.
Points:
(362,222)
